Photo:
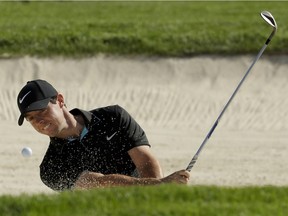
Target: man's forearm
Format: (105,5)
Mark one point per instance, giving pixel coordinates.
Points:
(89,180)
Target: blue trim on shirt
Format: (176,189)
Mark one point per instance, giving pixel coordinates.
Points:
(83,133)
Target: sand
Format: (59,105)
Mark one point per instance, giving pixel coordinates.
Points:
(175,100)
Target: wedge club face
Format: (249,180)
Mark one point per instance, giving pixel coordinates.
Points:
(267,16)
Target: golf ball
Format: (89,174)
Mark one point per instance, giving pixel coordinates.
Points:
(26,152)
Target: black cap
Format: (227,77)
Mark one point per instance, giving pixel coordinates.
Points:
(35,95)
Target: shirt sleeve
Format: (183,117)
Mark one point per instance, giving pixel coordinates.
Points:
(130,129)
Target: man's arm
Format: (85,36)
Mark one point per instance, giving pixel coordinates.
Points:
(90,180)
(147,165)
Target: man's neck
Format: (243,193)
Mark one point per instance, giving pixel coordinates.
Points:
(74,129)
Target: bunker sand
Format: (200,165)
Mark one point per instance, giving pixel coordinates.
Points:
(176,101)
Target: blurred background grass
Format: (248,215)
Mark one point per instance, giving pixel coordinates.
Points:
(139,28)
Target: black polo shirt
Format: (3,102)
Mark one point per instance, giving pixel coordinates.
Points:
(109,133)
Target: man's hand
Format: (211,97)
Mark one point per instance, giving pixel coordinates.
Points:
(179,177)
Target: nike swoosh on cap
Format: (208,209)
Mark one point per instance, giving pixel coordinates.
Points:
(22,99)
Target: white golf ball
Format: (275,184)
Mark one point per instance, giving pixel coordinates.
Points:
(26,152)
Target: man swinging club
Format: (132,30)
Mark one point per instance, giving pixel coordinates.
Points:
(104,147)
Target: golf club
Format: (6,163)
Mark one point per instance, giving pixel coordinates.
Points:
(271,21)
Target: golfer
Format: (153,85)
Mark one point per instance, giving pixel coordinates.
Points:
(104,147)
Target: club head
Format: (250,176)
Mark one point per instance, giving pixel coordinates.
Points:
(267,16)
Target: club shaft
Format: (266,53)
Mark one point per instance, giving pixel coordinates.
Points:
(194,159)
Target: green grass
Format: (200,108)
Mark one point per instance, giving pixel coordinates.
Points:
(139,28)
(161,200)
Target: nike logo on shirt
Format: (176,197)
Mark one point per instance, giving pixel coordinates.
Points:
(110,137)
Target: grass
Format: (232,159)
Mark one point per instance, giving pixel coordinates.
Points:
(161,200)
(139,28)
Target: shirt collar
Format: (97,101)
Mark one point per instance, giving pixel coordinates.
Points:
(85,114)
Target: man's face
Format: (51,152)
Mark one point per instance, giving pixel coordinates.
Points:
(48,121)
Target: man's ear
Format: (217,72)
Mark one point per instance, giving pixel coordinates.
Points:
(60,99)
